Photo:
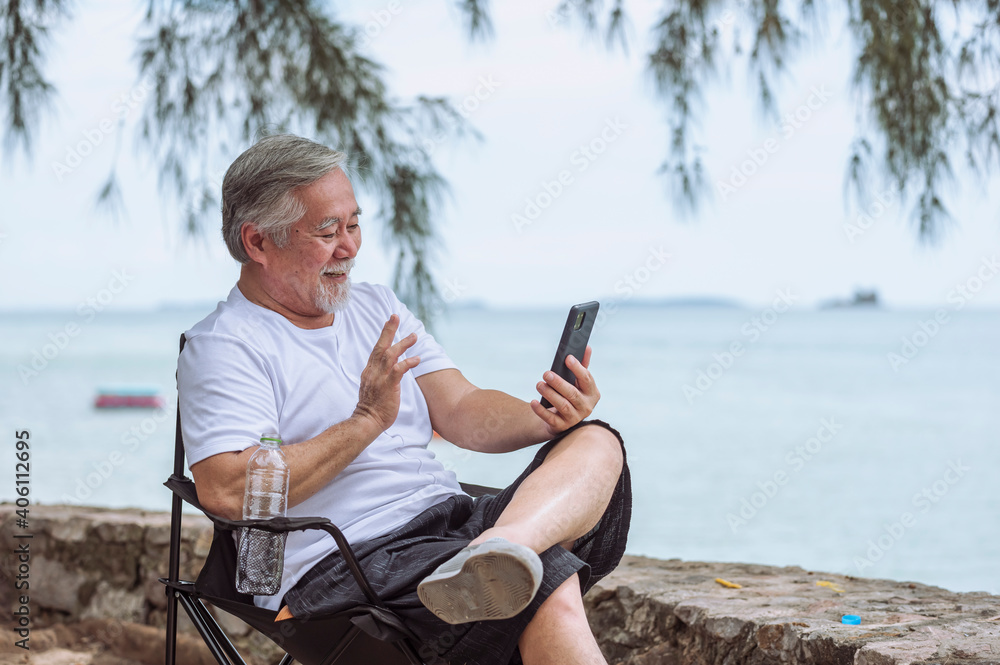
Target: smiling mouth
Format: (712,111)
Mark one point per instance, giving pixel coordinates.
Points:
(344,269)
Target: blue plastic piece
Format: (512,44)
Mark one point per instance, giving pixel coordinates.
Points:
(851,619)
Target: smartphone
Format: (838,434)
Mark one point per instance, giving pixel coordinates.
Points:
(575,335)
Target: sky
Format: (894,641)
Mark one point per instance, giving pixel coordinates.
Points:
(540,93)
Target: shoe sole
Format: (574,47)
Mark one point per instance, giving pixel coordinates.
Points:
(490,585)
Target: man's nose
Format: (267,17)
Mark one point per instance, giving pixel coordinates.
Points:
(347,248)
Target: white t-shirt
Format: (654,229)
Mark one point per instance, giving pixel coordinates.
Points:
(247,370)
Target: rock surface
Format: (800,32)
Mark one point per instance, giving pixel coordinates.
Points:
(652,611)
(95,600)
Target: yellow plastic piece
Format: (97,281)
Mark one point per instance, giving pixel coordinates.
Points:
(728,584)
(830,585)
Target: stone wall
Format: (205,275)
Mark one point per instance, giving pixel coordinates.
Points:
(94,592)
(650,611)
(97,563)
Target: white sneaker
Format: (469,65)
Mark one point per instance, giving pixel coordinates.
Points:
(495,579)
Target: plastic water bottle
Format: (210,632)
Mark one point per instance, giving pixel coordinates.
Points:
(261,554)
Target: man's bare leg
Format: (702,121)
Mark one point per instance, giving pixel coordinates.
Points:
(559,632)
(566,495)
(557,503)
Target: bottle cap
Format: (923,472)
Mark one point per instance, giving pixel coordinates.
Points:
(851,619)
(272,438)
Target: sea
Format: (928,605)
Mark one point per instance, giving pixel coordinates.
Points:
(861,441)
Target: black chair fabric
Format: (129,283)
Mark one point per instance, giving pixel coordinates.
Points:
(364,634)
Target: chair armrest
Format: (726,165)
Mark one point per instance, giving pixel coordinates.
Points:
(273,524)
(184,487)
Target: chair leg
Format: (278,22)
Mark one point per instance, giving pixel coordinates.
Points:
(171,643)
(220,636)
(174,561)
(222,649)
(345,643)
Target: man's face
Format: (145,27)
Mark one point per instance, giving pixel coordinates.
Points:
(311,274)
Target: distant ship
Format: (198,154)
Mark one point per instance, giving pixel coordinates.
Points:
(129,397)
(861,298)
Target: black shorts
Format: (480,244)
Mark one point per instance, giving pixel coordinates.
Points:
(397,562)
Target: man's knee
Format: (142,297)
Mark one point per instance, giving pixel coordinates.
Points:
(604,446)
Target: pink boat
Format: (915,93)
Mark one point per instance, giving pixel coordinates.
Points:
(129,398)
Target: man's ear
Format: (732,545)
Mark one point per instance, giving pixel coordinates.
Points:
(256,244)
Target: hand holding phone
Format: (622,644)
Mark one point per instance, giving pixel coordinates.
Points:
(575,335)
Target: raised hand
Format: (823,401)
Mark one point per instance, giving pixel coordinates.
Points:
(378,397)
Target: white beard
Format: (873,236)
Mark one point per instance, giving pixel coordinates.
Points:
(333,297)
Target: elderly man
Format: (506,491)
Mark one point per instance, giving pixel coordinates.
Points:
(354,385)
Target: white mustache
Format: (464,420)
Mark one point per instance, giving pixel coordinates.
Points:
(341,266)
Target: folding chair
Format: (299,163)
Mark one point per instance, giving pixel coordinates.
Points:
(367,633)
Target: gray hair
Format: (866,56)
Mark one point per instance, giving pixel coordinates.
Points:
(259,187)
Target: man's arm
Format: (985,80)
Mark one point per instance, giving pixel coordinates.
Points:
(491,421)
(313,463)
